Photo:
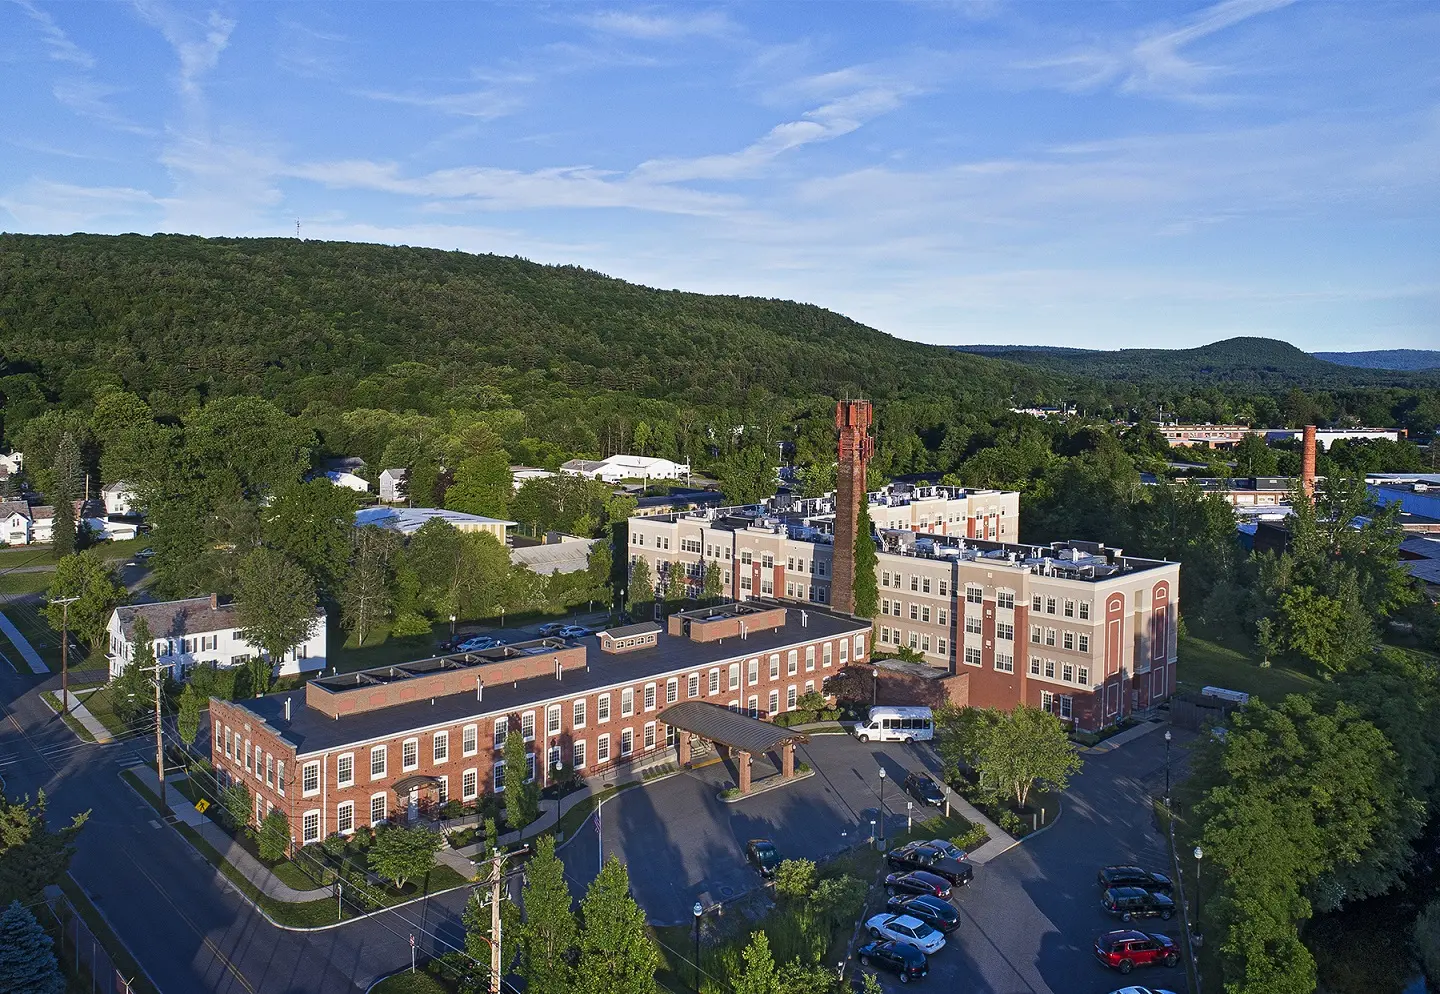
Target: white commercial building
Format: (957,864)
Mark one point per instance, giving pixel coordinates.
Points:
(199,631)
(623,467)
(409,520)
(348,480)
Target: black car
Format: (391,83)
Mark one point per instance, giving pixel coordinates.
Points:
(1133,876)
(925,790)
(763,856)
(1137,902)
(918,856)
(939,915)
(918,882)
(896,957)
(947,849)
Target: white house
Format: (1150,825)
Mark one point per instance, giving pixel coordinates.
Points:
(519,475)
(392,486)
(16,522)
(624,467)
(13,462)
(107,530)
(409,520)
(120,499)
(201,630)
(348,480)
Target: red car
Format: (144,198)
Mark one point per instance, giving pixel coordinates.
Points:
(1126,949)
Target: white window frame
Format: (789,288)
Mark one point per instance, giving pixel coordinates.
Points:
(577,754)
(440,743)
(469,784)
(500,732)
(672,690)
(627,702)
(553,720)
(384,800)
(470,740)
(577,712)
(341,810)
(602,748)
(714,684)
(307,835)
(752,670)
(410,745)
(774,700)
(627,741)
(527,718)
(649,697)
(734,676)
(340,779)
(306,772)
(649,738)
(692,686)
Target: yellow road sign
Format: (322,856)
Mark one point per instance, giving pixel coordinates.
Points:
(201,805)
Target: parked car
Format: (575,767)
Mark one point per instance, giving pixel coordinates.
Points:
(918,856)
(918,882)
(763,856)
(947,849)
(476,644)
(1141,990)
(1137,902)
(1133,876)
(896,957)
(924,789)
(1126,949)
(939,915)
(911,931)
(145,553)
(574,632)
(551,628)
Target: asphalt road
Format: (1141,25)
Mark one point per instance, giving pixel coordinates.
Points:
(188,927)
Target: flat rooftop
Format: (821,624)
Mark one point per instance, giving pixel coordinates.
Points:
(311,731)
(1072,560)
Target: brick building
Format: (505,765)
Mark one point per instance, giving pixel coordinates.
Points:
(393,742)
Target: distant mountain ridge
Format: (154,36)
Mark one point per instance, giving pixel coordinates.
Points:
(1399,359)
(1255,362)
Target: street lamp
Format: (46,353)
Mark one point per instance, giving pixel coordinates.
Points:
(698,911)
(1167,767)
(882,807)
(909,815)
(1199,855)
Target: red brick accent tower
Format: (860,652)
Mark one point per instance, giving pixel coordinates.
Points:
(1307,464)
(852,418)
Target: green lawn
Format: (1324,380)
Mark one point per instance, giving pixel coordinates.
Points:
(44,555)
(70,721)
(101,705)
(418,982)
(26,583)
(1229,661)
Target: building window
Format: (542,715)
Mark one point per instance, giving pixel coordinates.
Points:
(1004,662)
(552,720)
(310,830)
(974,595)
(1084,642)
(942,616)
(1005,599)
(280,777)
(249,763)
(941,646)
(825,656)
(767,560)
(774,665)
(845,649)
(692,685)
(914,611)
(1035,634)
(1050,669)
(469,785)
(925,642)
(345,817)
(1049,605)
(809,658)
(944,587)
(529,767)
(972,655)
(502,729)
(602,749)
(745,557)
(345,770)
(914,583)
(1047,701)
(1034,665)
(442,790)
(774,701)
(914,640)
(1067,672)
(714,682)
(649,697)
(973,624)
(497,777)
(1084,610)
(602,708)
(577,714)
(1068,640)
(1037,603)
(734,676)
(440,747)
(1049,636)
(1005,630)
(790,697)
(627,741)
(410,754)
(627,702)
(310,779)
(577,754)
(649,735)
(527,726)
(377,809)
(925,585)
(269,770)
(1066,705)
(1069,609)
(1085,675)
(752,671)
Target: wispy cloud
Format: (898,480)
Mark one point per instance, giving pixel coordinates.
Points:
(62,49)
(45,205)
(90,99)
(198,44)
(661,26)
(309,52)
(485,104)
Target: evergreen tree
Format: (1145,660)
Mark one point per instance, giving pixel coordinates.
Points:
(522,801)
(599,571)
(133,692)
(550,930)
(714,587)
(674,584)
(616,954)
(187,717)
(641,591)
(27,955)
(759,975)
(867,588)
(32,856)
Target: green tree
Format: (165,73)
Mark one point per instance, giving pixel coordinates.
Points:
(550,930)
(867,588)
(367,595)
(522,802)
(747,476)
(616,953)
(675,584)
(641,591)
(1027,748)
(482,485)
(795,879)
(187,715)
(818,478)
(275,603)
(63,531)
(713,588)
(311,523)
(404,854)
(1254,458)
(477,921)
(759,975)
(27,955)
(961,735)
(1427,938)
(239,808)
(274,841)
(31,856)
(600,571)
(132,692)
(86,576)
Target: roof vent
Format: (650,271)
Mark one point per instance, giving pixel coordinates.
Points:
(287,709)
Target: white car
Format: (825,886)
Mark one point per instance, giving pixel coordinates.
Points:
(911,931)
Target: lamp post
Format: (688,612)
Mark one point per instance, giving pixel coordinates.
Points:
(698,911)
(882,807)
(909,815)
(1167,768)
(872,831)
(1199,855)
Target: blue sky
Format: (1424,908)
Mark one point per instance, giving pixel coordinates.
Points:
(1096,175)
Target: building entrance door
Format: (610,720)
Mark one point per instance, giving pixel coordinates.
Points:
(413,810)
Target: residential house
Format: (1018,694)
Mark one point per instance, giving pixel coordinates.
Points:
(392,486)
(347,480)
(201,630)
(120,499)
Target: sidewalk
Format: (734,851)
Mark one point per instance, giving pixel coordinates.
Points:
(1000,840)
(1129,735)
(27,651)
(91,724)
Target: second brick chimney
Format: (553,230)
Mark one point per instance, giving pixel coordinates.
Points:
(852,418)
(1307,464)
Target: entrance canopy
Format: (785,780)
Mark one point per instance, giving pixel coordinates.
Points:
(404,786)
(730,728)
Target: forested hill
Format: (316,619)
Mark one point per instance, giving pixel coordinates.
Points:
(1252,362)
(177,319)
(1385,358)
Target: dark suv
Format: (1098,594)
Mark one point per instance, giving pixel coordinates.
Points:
(918,856)
(763,855)
(939,915)
(1136,902)
(1133,876)
(924,789)
(897,957)
(1127,949)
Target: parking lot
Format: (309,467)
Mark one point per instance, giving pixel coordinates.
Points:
(1029,920)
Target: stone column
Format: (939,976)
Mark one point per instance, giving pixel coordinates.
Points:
(742,763)
(682,742)
(787,760)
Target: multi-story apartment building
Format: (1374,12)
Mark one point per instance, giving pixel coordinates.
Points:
(785,548)
(385,744)
(1073,627)
(201,631)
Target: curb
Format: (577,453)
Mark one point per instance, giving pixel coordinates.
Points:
(774,784)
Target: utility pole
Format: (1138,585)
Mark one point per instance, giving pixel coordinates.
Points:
(159,738)
(496,880)
(65,603)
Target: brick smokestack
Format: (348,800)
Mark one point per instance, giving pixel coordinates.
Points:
(852,418)
(1307,464)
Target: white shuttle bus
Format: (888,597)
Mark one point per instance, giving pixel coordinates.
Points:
(894,724)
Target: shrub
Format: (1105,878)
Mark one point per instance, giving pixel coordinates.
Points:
(832,714)
(1010,821)
(335,846)
(409,623)
(452,809)
(730,793)
(274,836)
(803,768)
(973,839)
